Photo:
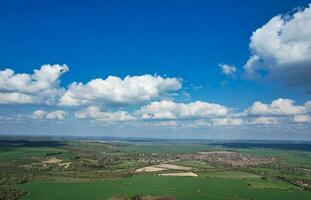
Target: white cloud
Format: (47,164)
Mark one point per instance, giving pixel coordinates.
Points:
(165,124)
(114,90)
(40,87)
(57,115)
(39,114)
(16,98)
(93,112)
(54,115)
(277,107)
(265,120)
(227,121)
(282,49)
(302,118)
(171,110)
(228,70)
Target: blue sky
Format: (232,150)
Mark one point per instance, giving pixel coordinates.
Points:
(175,49)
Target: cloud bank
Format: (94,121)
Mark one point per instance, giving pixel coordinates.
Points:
(54,115)
(42,86)
(277,107)
(115,90)
(281,49)
(171,110)
(144,95)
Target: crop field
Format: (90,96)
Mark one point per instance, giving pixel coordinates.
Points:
(230,175)
(181,187)
(35,169)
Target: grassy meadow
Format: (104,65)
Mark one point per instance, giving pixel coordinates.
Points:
(183,188)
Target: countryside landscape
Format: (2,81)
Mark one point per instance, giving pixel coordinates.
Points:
(155,100)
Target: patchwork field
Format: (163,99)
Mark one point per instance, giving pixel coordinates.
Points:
(36,169)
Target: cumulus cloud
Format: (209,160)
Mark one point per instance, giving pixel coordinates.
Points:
(228,70)
(265,120)
(277,107)
(170,110)
(54,115)
(39,114)
(227,121)
(93,112)
(301,118)
(114,90)
(42,86)
(57,115)
(281,49)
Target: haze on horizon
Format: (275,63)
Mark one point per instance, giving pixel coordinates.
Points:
(168,69)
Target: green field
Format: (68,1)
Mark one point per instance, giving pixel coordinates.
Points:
(272,185)
(230,175)
(183,188)
(28,152)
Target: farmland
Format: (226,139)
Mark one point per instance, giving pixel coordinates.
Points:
(181,187)
(91,169)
